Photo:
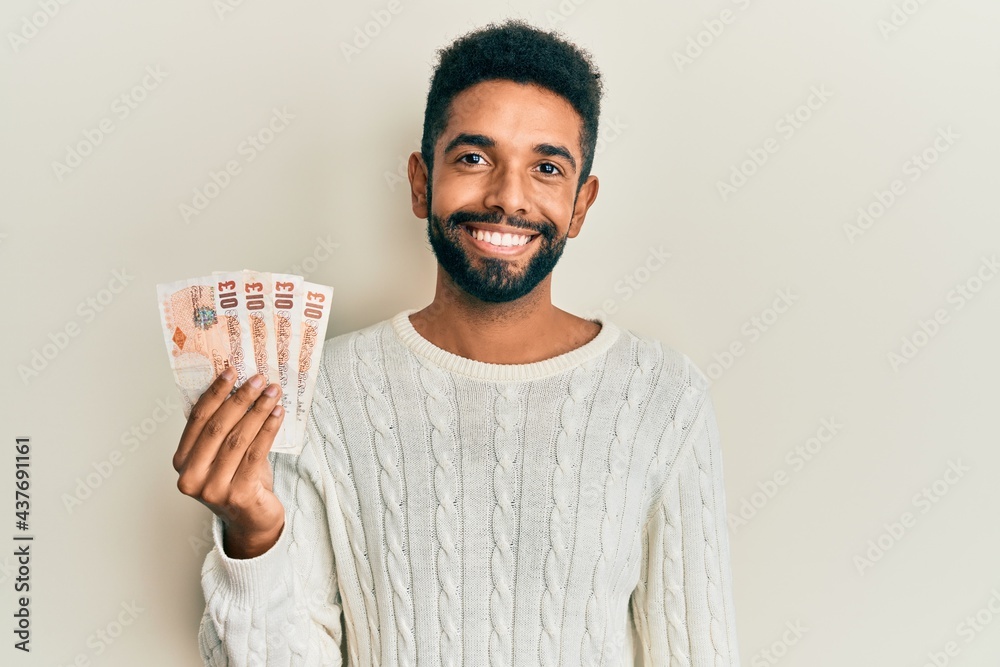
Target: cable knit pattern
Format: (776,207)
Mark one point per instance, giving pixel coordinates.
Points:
(455,512)
(449,568)
(504,525)
(640,600)
(344,487)
(704,450)
(252,619)
(391,488)
(258,647)
(688,524)
(673,577)
(348,499)
(626,421)
(209,644)
(712,572)
(564,488)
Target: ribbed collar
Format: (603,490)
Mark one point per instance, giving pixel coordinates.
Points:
(597,346)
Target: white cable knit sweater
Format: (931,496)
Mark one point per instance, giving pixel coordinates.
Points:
(468,513)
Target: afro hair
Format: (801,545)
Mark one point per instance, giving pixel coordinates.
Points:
(519,52)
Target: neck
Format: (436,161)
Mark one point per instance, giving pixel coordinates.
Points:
(522,331)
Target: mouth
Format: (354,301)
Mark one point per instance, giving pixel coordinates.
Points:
(499,240)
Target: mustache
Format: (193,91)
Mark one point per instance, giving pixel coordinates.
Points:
(496,218)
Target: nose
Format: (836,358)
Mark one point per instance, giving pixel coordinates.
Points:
(507,192)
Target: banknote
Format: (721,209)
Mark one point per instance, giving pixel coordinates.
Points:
(315,315)
(253,293)
(202,340)
(258,300)
(255,322)
(230,299)
(287,291)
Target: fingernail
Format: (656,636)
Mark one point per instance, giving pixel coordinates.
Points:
(228,374)
(277,410)
(272,390)
(257,381)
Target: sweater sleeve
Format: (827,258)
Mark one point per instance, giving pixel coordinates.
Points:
(682,605)
(282,607)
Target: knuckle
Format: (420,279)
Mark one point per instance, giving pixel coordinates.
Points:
(245,395)
(234,501)
(264,404)
(199,413)
(233,440)
(217,389)
(186,486)
(213,427)
(212,495)
(254,456)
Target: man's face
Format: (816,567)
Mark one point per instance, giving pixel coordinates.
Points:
(506,166)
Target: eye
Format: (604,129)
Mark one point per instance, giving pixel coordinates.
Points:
(475,155)
(551,173)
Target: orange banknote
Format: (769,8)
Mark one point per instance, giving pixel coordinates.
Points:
(255,322)
(315,315)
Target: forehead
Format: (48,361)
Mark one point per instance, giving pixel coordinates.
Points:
(515,115)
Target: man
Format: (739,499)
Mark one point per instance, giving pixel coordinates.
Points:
(488,480)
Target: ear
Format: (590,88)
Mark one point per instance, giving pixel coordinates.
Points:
(416,170)
(584,198)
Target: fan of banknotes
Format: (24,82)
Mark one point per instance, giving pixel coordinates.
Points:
(255,322)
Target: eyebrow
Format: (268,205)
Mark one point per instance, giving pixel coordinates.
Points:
(482,141)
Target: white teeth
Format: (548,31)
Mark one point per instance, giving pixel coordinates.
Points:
(498,239)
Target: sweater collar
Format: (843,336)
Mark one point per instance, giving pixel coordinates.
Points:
(417,344)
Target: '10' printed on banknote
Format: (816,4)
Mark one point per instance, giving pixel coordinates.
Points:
(255,322)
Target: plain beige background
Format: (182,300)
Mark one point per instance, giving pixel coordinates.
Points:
(842,99)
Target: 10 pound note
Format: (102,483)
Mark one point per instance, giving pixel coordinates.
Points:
(252,321)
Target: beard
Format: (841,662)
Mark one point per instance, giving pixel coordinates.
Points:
(491,279)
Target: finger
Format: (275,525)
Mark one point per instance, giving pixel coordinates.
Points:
(206,406)
(234,445)
(247,481)
(217,428)
(256,454)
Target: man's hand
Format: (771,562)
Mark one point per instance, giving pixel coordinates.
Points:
(222,461)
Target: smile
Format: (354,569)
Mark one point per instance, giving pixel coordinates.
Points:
(497,242)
